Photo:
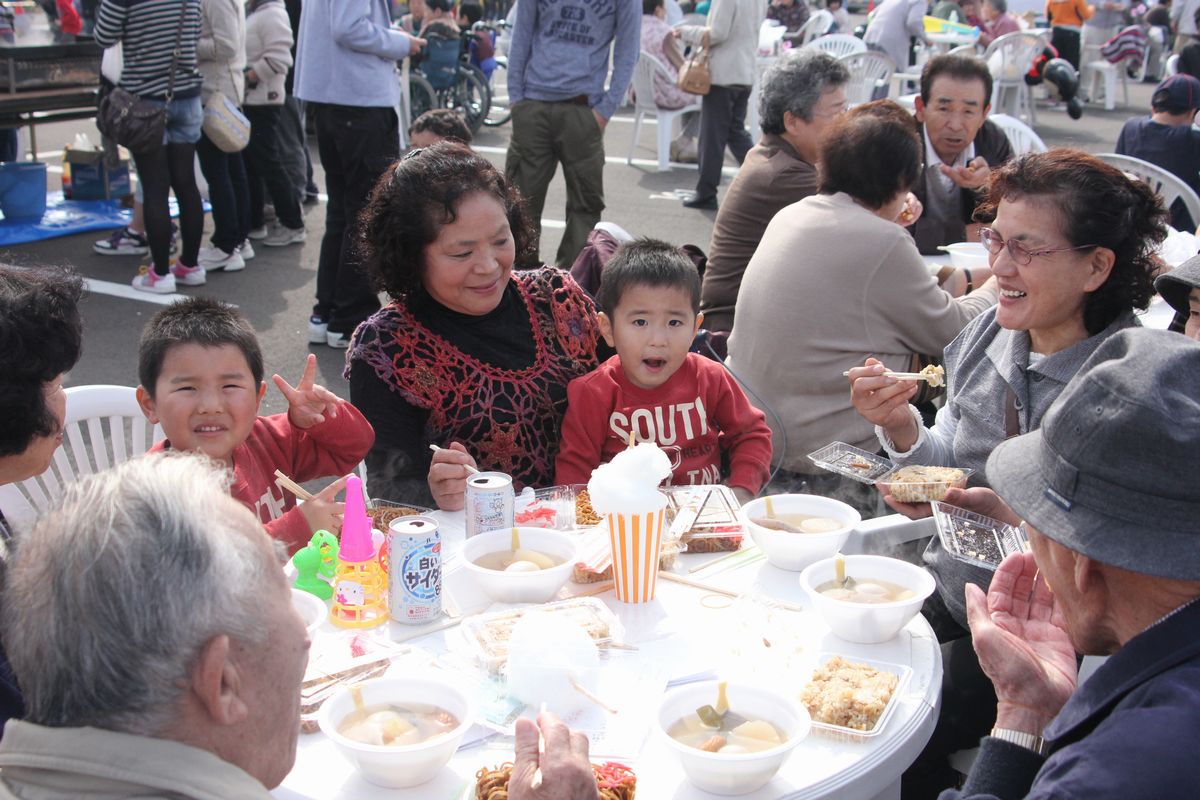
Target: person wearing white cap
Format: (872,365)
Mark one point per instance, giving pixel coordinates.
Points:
(1107,491)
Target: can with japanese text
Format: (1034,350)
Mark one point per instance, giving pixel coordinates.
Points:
(414,570)
(490,501)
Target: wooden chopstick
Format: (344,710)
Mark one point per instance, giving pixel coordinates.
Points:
(903,376)
(283,481)
(470,469)
(708,587)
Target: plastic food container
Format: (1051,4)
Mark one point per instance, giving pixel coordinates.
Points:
(795,551)
(520,587)
(848,734)
(704,519)
(552,507)
(488,634)
(923,491)
(868,623)
(976,539)
(869,468)
(382,512)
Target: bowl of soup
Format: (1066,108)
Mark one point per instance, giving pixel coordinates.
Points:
(311,609)
(747,746)
(533,572)
(967,255)
(799,528)
(398,731)
(878,598)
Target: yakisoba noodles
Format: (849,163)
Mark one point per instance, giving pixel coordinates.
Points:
(615,781)
(382,516)
(584,515)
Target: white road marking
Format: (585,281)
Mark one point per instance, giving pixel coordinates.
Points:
(127,292)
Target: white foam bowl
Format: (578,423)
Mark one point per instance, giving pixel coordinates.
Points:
(868,623)
(311,609)
(967,255)
(733,773)
(407,765)
(795,551)
(520,587)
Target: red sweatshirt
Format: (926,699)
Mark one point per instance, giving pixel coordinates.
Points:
(69,20)
(333,447)
(700,411)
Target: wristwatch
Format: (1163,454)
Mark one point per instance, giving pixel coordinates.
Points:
(1021,739)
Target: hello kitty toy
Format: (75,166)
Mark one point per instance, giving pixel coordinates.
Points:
(360,588)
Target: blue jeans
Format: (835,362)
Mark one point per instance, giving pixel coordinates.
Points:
(185,117)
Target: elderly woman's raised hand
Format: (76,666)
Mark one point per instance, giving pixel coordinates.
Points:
(883,401)
(566,772)
(1019,633)
(448,476)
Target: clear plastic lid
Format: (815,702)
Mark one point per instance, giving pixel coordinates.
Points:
(869,679)
(919,484)
(852,462)
(704,519)
(552,507)
(488,634)
(976,539)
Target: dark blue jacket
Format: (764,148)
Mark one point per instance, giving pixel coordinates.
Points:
(1131,731)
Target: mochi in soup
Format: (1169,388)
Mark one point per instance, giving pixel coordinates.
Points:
(865,591)
(397,724)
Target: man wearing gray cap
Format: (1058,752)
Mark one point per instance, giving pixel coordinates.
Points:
(1108,491)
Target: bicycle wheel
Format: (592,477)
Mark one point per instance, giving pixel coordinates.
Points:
(498,112)
(421,96)
(471,98)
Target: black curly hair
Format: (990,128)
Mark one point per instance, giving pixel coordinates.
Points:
(417,196)
(1097,205)
(41,337)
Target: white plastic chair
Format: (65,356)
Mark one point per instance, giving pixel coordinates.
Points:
(1097,69)
(818,24)
(104,427)
(1009,58)
(1173,64)
(643,87)
(1022,137)
(1166,185)
(868,71)
(838,44)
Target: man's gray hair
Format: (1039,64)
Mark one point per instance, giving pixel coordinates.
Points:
(795,83)
(111,596)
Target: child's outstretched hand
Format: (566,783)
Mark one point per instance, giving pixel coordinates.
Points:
(323,511)
(308,402)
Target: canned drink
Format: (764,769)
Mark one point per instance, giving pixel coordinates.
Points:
(490,502)
(414,570)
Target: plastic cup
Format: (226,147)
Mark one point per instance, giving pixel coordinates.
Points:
(636,541)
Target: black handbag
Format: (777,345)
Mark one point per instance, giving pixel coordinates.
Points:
(133,121)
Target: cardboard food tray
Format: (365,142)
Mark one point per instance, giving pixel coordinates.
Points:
(845,734)
(976,539)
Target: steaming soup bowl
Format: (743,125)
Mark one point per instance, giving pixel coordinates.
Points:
(795,551)
(520,587)
(733,773)
(401,766)
(868,623)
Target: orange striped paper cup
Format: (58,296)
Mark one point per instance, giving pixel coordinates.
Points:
(636,541)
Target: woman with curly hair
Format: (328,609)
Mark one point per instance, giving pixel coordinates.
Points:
(468,354)
(1071,243)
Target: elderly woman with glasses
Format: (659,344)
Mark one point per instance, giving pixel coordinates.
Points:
(1071,243)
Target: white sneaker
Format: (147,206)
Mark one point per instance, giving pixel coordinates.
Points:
(281,236)
(188,276)
(258,233)
(147,280)
(318,329)
(123,243)
(338,341)
(246,250)
(214,258)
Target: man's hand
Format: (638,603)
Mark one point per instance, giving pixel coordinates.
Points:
(448,476)
(415,44)
(883,401)
(1019,633)
(972,176)
(308,403)
(323,511)
(982,501)
(566,771)
(911,212)
(600,120)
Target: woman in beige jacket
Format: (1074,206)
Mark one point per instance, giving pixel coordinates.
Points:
(731,34)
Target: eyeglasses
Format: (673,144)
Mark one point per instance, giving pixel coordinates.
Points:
(1019,252)
(838,111)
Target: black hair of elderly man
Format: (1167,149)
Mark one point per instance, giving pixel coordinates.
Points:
(1107,488)
(151,628)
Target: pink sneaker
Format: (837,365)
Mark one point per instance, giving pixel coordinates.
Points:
(148,280)
(188,276)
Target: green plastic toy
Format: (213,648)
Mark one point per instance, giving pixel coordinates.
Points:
(317,558)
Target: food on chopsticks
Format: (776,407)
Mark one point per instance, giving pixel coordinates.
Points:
(934,374)
(615,781)
(585,515)
(395,724)
(917,484)
(717,728)
(848,694)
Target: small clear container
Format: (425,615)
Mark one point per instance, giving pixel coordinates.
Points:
(704,518)
(382,512)
(488,634)
(585,515)
(847,734)
(852,462)
(923,491)
(976,539)
(553,508)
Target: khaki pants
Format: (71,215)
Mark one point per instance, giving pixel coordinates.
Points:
(544,136)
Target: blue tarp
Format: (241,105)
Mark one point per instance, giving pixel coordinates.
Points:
(67,217)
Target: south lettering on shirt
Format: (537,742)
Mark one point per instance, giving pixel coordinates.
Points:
(269,503)
(661,424)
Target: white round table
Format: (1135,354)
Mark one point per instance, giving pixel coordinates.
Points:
(819,767)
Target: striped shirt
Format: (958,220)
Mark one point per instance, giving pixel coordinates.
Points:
(147,29)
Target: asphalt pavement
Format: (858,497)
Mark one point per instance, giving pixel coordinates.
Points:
(276,288)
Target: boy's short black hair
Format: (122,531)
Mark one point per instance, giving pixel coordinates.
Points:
(472,11)
(444,123)
(647,262)
(196,320)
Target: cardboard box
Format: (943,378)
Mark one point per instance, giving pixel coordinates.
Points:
(91,177)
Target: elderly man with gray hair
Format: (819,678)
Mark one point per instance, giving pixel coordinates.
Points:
(152,630)
(801,94)
(1107,488)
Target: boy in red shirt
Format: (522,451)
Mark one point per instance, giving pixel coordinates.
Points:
(654,387)
(201,373)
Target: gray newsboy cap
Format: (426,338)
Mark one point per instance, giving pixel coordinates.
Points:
(1176,285)
(1114,471)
